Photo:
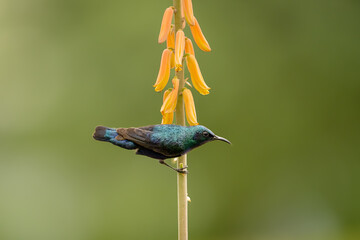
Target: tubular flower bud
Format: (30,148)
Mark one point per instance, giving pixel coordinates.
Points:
(188,11)
(196,76)
(167,117)
(170,41)
(172,60)
(165,24)
(169,104)
(183,17)
(199,37)
(166,94)
(164,71)
(189,47)
(190,107)
(179,49)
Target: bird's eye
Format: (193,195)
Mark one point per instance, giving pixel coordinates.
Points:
(205,134)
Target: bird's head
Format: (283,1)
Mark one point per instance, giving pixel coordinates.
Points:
(203,135)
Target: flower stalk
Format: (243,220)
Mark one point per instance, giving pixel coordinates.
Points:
(182,161)
(179,100)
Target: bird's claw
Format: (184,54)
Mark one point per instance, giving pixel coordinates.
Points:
(182,170)
(179,170)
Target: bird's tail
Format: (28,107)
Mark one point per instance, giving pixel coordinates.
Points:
(109,135)
(104,133)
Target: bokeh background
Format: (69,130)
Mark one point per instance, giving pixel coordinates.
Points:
(285,90)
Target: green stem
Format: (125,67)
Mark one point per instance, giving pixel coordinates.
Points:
(182,161)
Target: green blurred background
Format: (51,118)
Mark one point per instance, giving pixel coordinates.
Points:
(285,90)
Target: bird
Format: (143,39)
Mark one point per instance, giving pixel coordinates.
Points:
(160,142)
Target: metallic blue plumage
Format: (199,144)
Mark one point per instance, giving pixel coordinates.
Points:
(109,135)
(158,141)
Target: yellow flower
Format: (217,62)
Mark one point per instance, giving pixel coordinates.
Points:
(196,76)
(199,37)
(167,118)
(169,104)
(190,107)
(179,49)
(188,11)
(166,94)
(189,47)
(165,24)
(170,41)
(172,60)
(183,17)
(164,71)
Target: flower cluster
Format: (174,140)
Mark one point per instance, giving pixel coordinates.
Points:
(178,49)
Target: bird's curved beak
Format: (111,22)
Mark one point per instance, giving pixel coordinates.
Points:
(222,139)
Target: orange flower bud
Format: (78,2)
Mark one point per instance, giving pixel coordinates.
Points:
(189,47)
(179,49)
(167,118)
(165,24)
(188,11)
(164,71)
(166,94)
(190,107)
(169,103)
(196,76)
(172,60)
(170,41)
(199,37)
(183,16)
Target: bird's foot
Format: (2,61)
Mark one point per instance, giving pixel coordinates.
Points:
(182,170)
(179,170)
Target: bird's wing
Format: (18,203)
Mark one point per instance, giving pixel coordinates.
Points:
(150,153)
(140,136)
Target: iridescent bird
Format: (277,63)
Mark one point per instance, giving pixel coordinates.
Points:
(158,141)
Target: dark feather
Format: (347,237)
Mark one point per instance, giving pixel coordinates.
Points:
(99,133)
(152,154)
(140,136)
